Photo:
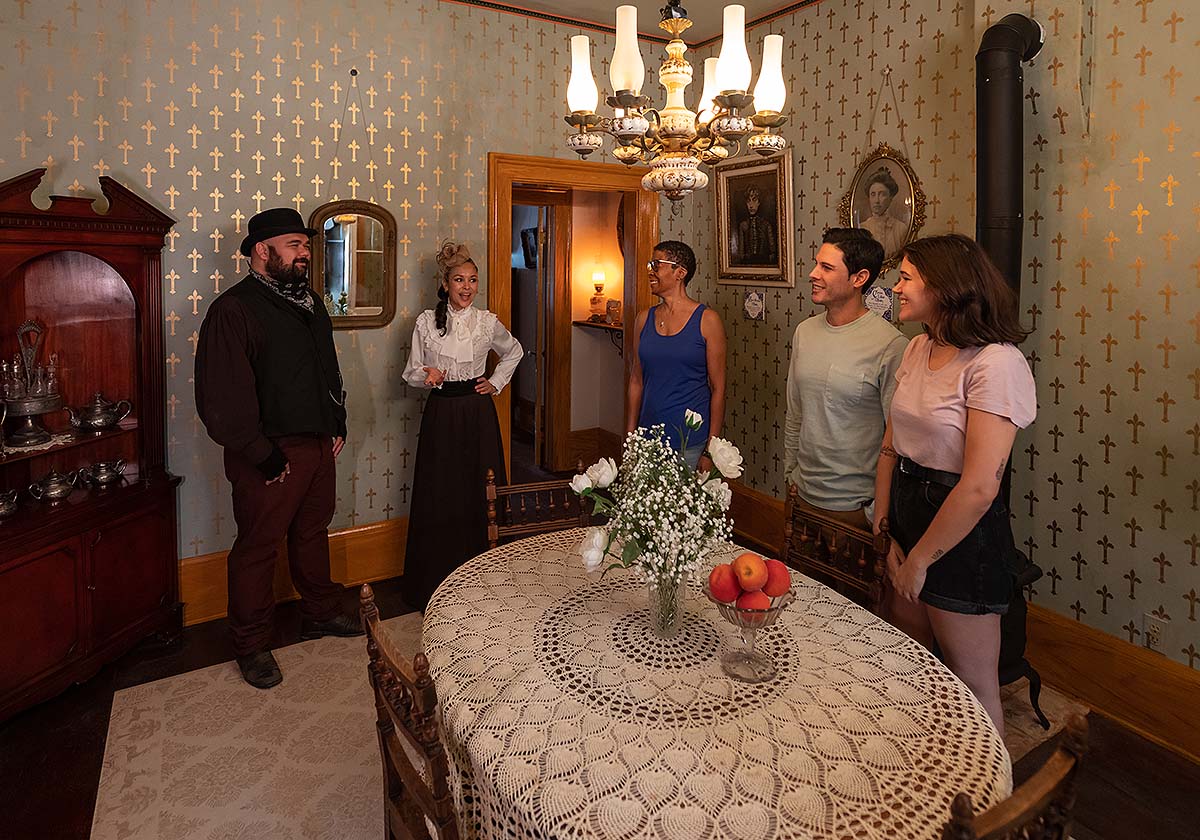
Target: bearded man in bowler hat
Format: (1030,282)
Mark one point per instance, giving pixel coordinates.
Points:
(269,390)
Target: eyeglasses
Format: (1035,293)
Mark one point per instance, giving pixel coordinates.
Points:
(653,264)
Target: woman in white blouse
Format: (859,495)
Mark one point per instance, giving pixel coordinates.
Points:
(460,432)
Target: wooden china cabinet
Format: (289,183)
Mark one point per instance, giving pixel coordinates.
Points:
(84,579)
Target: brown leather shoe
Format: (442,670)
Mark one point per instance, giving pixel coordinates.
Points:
(260,669)
(339,625)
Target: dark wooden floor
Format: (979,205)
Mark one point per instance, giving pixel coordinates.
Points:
(50,755)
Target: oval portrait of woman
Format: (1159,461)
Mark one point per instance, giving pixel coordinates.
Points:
(885,200)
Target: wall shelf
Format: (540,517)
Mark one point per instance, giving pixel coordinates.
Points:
(615,332)
(600,325)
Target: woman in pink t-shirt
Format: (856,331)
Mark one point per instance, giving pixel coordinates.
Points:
(963,389)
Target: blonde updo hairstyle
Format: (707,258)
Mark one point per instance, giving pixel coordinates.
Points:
(449,257)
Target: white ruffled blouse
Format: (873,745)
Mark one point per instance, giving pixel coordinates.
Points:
(462,352)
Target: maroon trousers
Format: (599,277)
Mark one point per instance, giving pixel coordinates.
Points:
(299,509)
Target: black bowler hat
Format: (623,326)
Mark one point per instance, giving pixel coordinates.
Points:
(274,222)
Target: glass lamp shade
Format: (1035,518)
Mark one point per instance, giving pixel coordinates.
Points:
(769,93)
(705,108)
(581,89)
(733,66)
(627,70)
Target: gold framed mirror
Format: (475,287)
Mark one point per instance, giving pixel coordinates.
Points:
(354,263)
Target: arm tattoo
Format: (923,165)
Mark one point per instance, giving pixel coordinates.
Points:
(933,557)
(1000,471)
(888,451)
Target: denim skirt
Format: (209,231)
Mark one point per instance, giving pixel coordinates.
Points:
(974,577)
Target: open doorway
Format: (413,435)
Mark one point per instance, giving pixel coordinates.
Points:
(541,235)
(515,180)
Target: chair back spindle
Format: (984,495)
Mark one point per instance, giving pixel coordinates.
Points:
(522,510)
(417,801)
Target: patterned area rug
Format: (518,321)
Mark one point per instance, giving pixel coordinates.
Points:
(203,756)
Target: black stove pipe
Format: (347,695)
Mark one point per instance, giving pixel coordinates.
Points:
(999,142)
(999,191)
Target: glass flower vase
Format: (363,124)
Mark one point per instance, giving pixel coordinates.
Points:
(667,604)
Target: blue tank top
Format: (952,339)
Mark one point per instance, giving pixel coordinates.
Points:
(674,377)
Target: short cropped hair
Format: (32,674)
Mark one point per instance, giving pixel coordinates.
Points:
(682,254)
(859,250)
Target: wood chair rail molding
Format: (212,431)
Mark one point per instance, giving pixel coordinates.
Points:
(1152,695)
(506,171)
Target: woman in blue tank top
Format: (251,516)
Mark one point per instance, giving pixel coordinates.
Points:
(678,357)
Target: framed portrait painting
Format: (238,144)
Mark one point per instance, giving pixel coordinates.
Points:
(885,198)
(754,221)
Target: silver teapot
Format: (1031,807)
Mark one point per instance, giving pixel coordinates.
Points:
(53,486)
(8,503)
(104,473)
(99,414)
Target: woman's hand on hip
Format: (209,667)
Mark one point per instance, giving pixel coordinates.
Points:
(483,385)
(908,578)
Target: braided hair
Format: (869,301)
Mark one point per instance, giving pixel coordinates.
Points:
(449,257)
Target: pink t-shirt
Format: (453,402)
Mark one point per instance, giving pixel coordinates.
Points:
(929,409)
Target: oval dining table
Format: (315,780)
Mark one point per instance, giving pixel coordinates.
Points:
(565,717)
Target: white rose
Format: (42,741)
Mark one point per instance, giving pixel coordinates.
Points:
(725,457)
(692,419)
(580,483)
(603,472)
(720,492)
(592,548)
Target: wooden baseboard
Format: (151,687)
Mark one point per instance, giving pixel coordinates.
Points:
(356,555)
(1152,695)
(590,445)
(757,517)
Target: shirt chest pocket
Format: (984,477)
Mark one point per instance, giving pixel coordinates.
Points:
(844,386)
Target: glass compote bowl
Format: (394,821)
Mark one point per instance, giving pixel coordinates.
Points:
(746,663)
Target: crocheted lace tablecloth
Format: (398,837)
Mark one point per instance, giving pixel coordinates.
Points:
(564,717)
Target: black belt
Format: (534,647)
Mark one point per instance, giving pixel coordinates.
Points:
(457,388)
(912,468)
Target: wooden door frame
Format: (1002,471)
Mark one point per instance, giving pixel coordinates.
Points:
(505,171)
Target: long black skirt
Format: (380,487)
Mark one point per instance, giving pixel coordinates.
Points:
(447,522)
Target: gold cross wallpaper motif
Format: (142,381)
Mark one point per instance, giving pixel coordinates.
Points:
(215,109)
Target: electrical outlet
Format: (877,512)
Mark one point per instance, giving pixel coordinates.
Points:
(1153,631)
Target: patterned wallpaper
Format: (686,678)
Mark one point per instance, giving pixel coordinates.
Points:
(214,109)
(1107,481)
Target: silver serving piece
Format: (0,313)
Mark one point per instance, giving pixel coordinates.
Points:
(22,402)
(53,486)
(103,473)
(99,414)
(8,503)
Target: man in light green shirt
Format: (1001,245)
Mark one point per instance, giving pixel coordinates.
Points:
(840,382)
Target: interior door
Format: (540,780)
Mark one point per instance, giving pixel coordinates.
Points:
(539,352)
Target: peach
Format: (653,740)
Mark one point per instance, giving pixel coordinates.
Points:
(750,571)
(779,579)
(753,601)
(722,584)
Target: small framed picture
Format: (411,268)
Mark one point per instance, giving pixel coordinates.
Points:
(754,305)
(754,221)
(885,198)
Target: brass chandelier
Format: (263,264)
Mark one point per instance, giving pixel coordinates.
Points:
(674,140)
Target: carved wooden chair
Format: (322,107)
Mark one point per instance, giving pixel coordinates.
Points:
(417,800)
(522,510)
(1040,809)
(850,560)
